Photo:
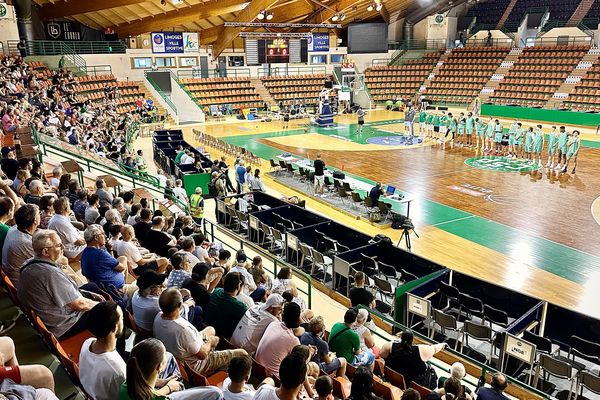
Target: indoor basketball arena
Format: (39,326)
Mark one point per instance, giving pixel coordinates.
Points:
(300,199)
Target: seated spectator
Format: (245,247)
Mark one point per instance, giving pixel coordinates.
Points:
(19,183)
(326,361)
(255,321)
(180,272)
(457,370)
(344,342)
(367,342)
(199,285)
(180,337)
(81,205)
(73,193)
(101,368)
(146,361)
(259,274)
(46,210)
(224,311)
(44,288)
(133,214)
(17,246)
(187,249)
(7,209)
(56,174)
(137,262)
(292,373)
(112,218)
(92,214)
(156,240)
(36,191)
(324,387)
(250,289)
(118,205)
(236,386)
(410,360)
(38,376)
(201,250)
(362,385)
(145,307)
(144,224)
(9,162)
(279,339)
(359,295)
(495,392)
(223,260)
(452,390)
(98,266)
(104,195)
(71,238)
(410,394)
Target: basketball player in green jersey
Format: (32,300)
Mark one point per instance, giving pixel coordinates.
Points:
(573,146)
(552,147)
(469,126)
(538,145)
(479,131)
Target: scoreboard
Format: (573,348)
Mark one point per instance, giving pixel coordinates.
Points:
(278,51)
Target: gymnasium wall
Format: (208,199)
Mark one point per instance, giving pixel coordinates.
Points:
(8,26)
(539,114)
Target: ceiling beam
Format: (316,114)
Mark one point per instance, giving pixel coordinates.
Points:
(340,6)
(178,17)
(247,15)
(384,13)
(74,7)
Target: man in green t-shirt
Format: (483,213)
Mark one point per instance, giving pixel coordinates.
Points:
(224,311)
(180,153)
(344,342)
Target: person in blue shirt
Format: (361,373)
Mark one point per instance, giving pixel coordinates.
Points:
(98,266)
(240,172)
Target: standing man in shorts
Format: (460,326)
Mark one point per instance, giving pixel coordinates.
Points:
(361,120)
(319,175)
(409,118)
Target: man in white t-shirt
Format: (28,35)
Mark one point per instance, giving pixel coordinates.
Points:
(101,368)
(250,289)
(292,373)
(236,386)
(138,263)
(179,192)
(196,348)
(253,324)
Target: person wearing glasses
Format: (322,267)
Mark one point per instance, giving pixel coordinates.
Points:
(46,289)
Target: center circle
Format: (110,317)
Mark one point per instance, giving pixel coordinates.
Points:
(394,140)
(502,164)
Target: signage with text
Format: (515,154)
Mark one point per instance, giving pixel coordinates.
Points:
(65,30)
(292,242)
(318,42)
(519,349)
(418,305)
(167,42)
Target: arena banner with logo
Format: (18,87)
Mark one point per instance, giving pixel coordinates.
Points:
(63,30)
(167,42)
(190,42)
(318,42)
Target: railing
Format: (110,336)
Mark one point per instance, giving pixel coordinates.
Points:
(94,70)
(381,61)
(162,94)
(483,368)
(287,70)
(508,42)
(551,25)
(235,72)
(54,47)
(415,44)
(184,88)
(583,25)
(564,40)
(277,262)
(396,56)
(482,27)
(70,54)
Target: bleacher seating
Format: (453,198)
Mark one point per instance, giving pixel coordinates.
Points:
(234,92)
(559,10)
(290,88)
(538,73)
(586,94)
(92,87)
(457,82)
(389,81)
(488,12)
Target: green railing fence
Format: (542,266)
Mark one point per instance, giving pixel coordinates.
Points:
(55,47)
(235,72)
(211,229)
(185,89)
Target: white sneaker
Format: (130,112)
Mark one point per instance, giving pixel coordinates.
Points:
(558,167)
(548,165)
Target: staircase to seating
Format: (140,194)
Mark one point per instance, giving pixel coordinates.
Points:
(580,13)
(499,74)
(262,91)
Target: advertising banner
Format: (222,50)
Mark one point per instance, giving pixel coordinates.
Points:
(167,42)
(190,42)
(318,42)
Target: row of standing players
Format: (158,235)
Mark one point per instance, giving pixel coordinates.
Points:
(491,138)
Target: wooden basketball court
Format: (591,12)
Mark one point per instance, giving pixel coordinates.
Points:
(531,231)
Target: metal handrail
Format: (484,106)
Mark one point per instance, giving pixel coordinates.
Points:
(571,40)
(55,47)
(162,94)
(287,70)
(264,253)
(235,72)
(186,90)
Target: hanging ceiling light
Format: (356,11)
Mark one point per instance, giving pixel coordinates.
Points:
(335,17)
(342,16)
(261,15)
(379,6)
(269,16)
(370,7)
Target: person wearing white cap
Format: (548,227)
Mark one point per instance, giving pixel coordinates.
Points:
(253,324)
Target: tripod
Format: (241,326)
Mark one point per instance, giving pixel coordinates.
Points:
(406,235)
